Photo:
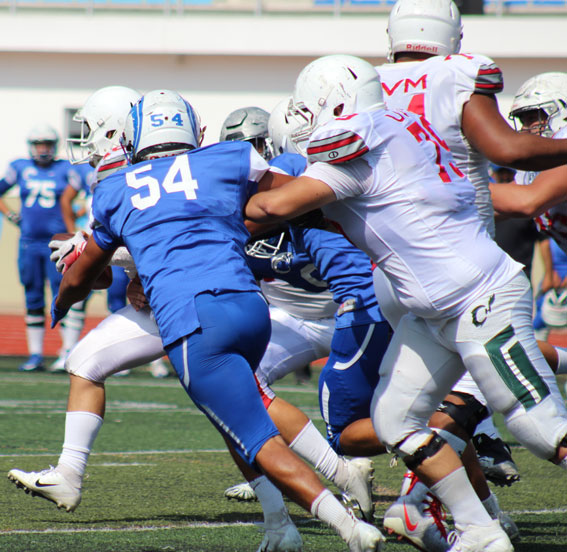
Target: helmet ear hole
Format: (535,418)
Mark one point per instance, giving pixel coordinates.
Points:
(337,112)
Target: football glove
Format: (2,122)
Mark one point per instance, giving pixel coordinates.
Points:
(56,314)
(65,253)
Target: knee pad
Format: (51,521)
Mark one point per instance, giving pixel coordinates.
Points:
(541,429)
(467,415)
(414,455)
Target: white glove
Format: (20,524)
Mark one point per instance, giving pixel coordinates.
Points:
(66,252)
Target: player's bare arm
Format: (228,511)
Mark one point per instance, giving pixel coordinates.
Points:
(490,134)
(549,188)
(66,202)
(82,275)
(294,198)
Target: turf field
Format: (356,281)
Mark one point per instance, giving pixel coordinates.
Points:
(158,471)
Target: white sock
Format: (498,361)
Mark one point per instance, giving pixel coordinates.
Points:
(81,429)
(34,336)
(492,506)
(456,492)
(329,510)
(313,447)
(269,496)
(561,360)
(72,326)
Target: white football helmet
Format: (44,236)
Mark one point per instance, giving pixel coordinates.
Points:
(329,87)
(161,124)
(554,308)
(249,124)
(42,143)
(281,126)
(546,92)
(427,26)
(102,119)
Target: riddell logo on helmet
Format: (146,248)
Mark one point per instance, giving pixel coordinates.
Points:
(422,48)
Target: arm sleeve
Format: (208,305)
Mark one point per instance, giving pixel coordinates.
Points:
(348,180)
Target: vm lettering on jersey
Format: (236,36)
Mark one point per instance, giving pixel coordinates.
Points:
(420,84)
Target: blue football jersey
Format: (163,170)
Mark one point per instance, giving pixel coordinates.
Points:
(347,271)
(292,163)
(291,265)
(181,218)
(40,191)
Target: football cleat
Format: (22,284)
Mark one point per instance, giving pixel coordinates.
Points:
(49,484)
(365,538)
(241,492)
(508,525)
(159,369)
(495,460)
(476,538)
(357,493)
(32,364)
(281,534)
(419,522)
(59,364)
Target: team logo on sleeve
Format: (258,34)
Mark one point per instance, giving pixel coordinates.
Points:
(337,149)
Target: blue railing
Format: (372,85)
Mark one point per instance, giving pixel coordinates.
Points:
(272,6)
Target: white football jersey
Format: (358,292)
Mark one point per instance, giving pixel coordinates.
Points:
(403,201)
(438,88)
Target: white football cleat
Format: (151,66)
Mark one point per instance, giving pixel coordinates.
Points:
(357,493)
(49,484)
(59,364)
(420,523)
(365,538)
(476,538)
(241,492)
(159,369)
(281,534)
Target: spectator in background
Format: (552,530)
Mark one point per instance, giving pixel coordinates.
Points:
(41,179)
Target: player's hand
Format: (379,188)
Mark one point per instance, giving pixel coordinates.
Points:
(66,252)
(136,295)
(14,218)
(56,314)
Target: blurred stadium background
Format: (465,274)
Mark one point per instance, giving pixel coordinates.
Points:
(221,55)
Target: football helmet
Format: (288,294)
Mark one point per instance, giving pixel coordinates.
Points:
(427,26)
(42,142)
(546,94)
(160,124)
(280,128)
(249,124)
(266,248)
(554,308)
(329,87)
(102,120)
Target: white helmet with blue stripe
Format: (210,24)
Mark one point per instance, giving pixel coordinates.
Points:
(161,124)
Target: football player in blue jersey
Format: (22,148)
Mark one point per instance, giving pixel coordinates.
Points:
(41,179)
(178,210)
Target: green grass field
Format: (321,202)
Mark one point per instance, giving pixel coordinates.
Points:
(158,471)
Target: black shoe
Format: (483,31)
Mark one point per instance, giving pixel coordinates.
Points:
(496,461)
